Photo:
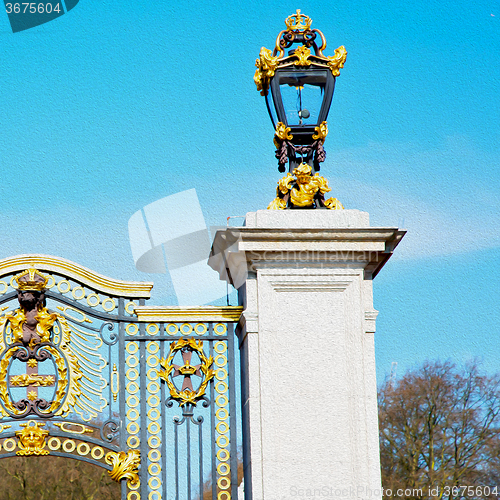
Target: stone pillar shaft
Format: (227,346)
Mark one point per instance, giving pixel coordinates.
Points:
(307,349)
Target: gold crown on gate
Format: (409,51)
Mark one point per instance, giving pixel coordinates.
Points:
(298,21)
(31,280)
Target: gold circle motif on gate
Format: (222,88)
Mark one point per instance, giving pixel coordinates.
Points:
(154,483)
(222,414)
(132,414)
(133,428)
(172,329)
(129,307)
(200,329)
(63,286)
(133,401)
(133,441)
(154,414)
(152,329)
(132,329)
(153,347)
(221,400)
(78,292)
(220,329)
(9,444)
(132,347)
(132,361)
(54,443)
(69,446)
(223,455)
(222,441)
(132,374)
(153,428)
(154,469)
(153,361)
(97,453)
(93,299)
(108,304)
(222,427)
(186,329)
(220,347)
(83,449)
(153,401)
(154,455)
(224,483)
(154,441)
(223,469)
(153,387)
(132,388)
(221,387)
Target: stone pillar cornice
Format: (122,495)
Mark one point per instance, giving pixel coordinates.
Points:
(366,247)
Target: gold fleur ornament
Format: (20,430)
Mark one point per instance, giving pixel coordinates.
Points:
(125,466)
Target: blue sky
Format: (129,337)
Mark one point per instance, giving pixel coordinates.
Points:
(118,104)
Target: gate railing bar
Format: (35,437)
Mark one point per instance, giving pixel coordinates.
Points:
(232,412)
(121,392)
(163,413)
(212,425)
(144,398)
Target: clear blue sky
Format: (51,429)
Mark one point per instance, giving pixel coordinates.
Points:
(118,104)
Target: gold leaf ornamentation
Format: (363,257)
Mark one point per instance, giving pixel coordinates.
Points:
(266,66)
(336,62)
(303,54)
(321,132)
(187,396)
(282,133)
(125,466)
(32,439)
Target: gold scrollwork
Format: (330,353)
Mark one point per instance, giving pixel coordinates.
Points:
(3,427)
(187,396)
(266,66)
(125,465)
(32,439)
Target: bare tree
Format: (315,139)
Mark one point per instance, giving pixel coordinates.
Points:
(54,478)
(440,433)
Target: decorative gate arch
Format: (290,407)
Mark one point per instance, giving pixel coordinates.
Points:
(88,371)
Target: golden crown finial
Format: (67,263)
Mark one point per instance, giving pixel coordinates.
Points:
(31,280)
(298,22)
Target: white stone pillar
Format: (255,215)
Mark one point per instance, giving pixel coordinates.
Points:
(307,350)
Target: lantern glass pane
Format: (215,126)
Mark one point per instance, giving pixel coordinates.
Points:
(302,97)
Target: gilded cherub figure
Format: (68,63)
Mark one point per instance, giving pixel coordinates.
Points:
(303,191)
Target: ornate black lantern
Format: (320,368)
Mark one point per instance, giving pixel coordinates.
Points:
(299,88)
